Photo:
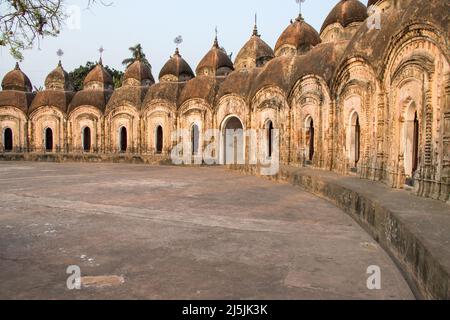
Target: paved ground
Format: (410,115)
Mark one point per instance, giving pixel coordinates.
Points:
(178,233)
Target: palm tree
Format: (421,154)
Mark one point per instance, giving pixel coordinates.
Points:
(137,54)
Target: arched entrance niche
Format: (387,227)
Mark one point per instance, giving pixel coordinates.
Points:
(233,141)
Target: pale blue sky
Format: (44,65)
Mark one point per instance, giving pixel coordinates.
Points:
(155,24)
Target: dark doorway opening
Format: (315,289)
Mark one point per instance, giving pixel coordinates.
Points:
(159,140)
(8,140)
(415,145)
(123,139)
(311,140)
(357,141)
(270,138)
(87,139)
(48,139)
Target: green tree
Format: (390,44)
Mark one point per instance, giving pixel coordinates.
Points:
(116,75)
(23,22)
(79,74)
(137,54)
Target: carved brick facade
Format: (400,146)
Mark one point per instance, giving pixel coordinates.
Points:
(365,101)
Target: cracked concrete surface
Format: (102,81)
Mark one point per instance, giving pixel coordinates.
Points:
(178,233)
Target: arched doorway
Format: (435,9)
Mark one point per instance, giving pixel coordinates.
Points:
(233,141)
(355,140)
(411,140)
(159,140)
(415,145)
(8,140)
(270,129)
(195,139)
(48,139)
(310,138)
(123,139)
(87,139)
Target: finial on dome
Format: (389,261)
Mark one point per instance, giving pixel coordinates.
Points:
(300,8)
(101,50)
(216,41)
(300,18)
(60,53)
(255,28)
(178,40)
(17,66)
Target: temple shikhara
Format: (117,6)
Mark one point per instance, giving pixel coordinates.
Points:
(368,95)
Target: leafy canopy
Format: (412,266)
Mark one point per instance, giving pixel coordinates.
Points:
(79,74)
(25,22)
(137,53)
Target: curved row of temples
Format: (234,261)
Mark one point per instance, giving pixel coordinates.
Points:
(368,95)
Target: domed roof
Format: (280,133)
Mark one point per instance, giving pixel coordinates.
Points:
(215,63)
(100,76)
(127,95)
(255,53)
(58,79)
(299,37)
(345,13)
(138,74)
(55,98)
(168,91)
(95,98)
(19,99)
(372,44)
(17,80)
(239,83)
(285,71)
(176,69)
(201,87)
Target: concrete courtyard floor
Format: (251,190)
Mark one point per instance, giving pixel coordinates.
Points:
(178,233)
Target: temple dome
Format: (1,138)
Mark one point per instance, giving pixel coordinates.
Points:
(201,87)
(255,53)
(98,78)
(215,63)
(138,74)
(345,13)
(17,80)
(58,79)
(176,70)
(298,38)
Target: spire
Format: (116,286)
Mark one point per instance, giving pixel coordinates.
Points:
(300,17)
(216,41)
(255,28)
(17,66)
(60,53)
(101,50)
(178,40)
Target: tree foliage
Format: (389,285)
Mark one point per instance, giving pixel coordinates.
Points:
(23,22)
(79,74)
(137,54)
